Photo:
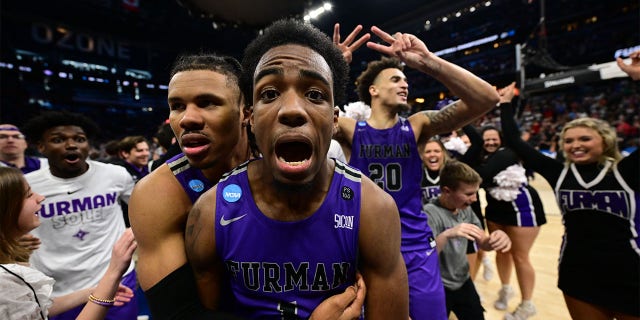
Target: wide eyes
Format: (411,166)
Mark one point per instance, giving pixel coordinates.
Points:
(61,140)
(316,95)
(270,94)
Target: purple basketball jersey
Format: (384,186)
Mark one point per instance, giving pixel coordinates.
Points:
(282,269)
(192,180)
(390,158)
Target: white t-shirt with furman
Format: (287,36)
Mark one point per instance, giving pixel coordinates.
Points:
(81,220)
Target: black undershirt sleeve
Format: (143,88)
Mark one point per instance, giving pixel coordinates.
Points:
(472,156)
(176,297)
(533,159)
(629,168)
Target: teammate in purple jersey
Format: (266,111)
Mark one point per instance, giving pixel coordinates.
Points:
(208,117)
(292,76)
(384,147)
(598,193)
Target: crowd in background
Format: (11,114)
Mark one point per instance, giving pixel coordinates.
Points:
(543,119)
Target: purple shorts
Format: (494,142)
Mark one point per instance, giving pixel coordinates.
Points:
(426,292)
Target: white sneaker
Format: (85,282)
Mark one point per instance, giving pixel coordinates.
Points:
(487,272)
(522,312)
(504,295)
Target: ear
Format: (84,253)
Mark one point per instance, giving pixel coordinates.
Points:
(246,114)
(249,114)
(336,114)
(372,90)
(41,147)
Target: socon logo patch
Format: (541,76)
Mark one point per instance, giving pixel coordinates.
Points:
(232,193)
(196,185)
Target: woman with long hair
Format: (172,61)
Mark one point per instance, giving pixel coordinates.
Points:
(26,292)
(597,191)
(513,207)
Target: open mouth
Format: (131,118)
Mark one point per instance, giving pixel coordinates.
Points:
(72,157)
(194,144)
(293,152)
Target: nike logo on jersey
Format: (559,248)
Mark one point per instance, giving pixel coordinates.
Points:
(224,222)
(73,191)
(430,251)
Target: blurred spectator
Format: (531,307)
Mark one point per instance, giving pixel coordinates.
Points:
(13,146)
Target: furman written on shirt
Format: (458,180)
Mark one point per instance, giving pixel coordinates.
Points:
(80,220)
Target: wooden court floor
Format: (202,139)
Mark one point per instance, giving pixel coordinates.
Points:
(544,256)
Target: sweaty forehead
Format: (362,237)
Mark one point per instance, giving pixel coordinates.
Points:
(292,56)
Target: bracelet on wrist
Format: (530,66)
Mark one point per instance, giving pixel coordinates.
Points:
(102,302)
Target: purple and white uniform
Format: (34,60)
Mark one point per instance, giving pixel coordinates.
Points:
(390,158)
(283,269)
(192,180)
(430,186)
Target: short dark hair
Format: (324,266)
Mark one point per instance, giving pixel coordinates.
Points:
(222,64)
(289,31)
(36,127)
(366,78)
(165,135)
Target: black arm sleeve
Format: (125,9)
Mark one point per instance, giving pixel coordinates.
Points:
(549,168)
(176,297)
(472,156)
(629,167)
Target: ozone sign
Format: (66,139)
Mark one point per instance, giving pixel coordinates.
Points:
(66,38)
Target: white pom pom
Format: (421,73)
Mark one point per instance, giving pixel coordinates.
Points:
(509,182)
(456,144)
(358,110)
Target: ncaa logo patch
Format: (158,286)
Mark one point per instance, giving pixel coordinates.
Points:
(196,185)
(347,193)
(362,123)
(232,193)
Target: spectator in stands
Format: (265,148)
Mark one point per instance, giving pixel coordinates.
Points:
(514,207)
(134,150)
(81,218)
(13,146)
(454,224)
(133,155)
(26,292)
(111,151)
(168,143)
(597,193)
